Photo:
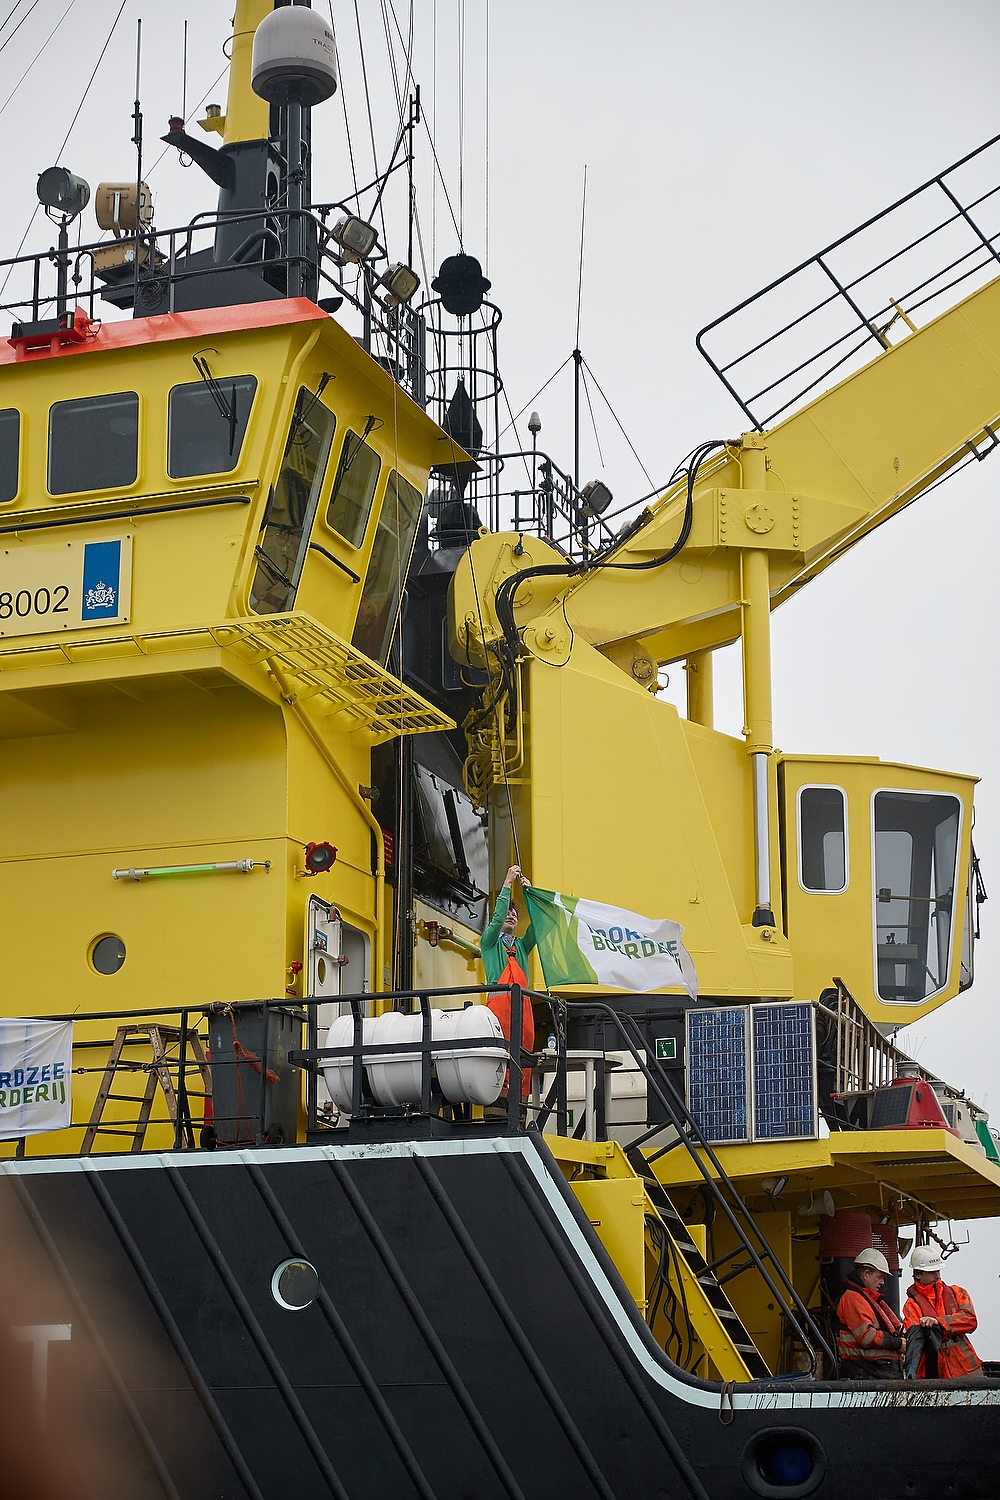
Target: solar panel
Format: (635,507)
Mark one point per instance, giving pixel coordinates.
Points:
(783,1072)
(891,1107)
(717,1072)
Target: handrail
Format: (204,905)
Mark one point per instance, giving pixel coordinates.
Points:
(163,257)
(861,292)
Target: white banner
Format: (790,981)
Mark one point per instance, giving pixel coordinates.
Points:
(36,1066)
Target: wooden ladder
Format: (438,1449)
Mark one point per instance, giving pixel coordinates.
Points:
(157,1072)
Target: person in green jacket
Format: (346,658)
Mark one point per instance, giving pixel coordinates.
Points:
(505,958)
(499,942)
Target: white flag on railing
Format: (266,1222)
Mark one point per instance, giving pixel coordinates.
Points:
(36,1066)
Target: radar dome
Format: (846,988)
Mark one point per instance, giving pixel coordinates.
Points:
(294,59)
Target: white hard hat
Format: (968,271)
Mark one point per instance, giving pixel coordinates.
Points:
(926,1258)
(872,1258)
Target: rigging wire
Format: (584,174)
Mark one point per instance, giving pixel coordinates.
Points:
(438,175)
(486,136)
(368,107)
(343,103)
(37,55)
(20,22)
(593,419)
(461,121)
(624,434)
(531,401)
(72,122)
(434,79)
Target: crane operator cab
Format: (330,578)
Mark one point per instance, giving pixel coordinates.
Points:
(879,881)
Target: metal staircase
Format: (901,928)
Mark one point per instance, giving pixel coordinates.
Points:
(711,1315)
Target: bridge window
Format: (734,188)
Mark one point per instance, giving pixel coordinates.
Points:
(916,871)
(822,838)
(292,506)
(94,443)
(207,425)
(353,490)
(390,559)
(10,440)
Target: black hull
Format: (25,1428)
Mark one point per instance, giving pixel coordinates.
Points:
(471,1340)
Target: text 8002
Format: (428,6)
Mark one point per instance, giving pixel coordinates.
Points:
(42,602)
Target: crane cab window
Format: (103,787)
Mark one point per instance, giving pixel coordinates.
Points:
(916,872)
(206,425)
(10,442)
(822,838)
(390,559)
(292,506)
(94,443)
(353,490)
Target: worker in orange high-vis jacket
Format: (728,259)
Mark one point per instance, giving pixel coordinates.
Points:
(944,1316)
(870,1338)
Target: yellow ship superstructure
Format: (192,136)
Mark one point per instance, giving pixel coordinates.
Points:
(167,760)
(208,520)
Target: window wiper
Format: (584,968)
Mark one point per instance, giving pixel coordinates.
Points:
(271,567)
(226,405)
(369,424)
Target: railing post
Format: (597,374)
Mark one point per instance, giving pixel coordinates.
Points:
(264,1029)
(516,1074)
(425,1055)
(357,1062)
(182,1095)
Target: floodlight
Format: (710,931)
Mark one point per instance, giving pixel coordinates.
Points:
(61,191)
(596,497)
(355,237)
(400,282)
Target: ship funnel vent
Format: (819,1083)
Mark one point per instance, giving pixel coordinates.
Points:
(294,60)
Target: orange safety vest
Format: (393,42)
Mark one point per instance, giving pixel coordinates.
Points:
(953,1309)
(500,1006)
(868,1327)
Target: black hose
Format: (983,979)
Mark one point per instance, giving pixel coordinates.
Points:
(504,601)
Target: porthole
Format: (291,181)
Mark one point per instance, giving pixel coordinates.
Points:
(784,1463)
(295,1284)
(107,954)
(321,971)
